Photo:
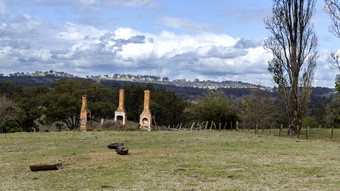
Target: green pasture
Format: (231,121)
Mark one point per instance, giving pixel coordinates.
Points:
(169,160)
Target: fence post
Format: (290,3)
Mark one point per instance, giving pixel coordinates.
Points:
(180,126)
(225,126)
(256,128)
(231,125)
(319,132)
(219,126)
(236,125)
(193,123)
(332,132)
(101,123)
(206,125)
(280,132)
(212,122)
(307,132)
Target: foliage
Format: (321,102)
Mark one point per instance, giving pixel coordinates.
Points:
(309,121)
(293,44)
(165,106)
(63,101)
(10,126)
(259,108)
(216,107)
(333,112)
(8,111)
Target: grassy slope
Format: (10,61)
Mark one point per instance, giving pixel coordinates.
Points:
(168,161)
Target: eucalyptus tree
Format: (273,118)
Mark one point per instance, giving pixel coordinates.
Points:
(293,44)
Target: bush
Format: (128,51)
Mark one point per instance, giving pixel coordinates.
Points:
(309,121)
(11,126)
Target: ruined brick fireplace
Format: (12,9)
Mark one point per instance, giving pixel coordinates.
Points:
(84,112)
(120,115)
(145,118)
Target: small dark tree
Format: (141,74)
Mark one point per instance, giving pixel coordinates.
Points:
(293,44)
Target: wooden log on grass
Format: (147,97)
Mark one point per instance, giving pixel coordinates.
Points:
(115,145)
(122,151)
(44,167)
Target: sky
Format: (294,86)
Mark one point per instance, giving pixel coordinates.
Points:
(179,39)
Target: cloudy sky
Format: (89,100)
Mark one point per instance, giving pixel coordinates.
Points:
(205,39)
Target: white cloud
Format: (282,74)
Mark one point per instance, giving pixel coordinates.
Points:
(28,44)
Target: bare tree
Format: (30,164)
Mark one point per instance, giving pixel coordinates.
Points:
(332,7)
(293,43)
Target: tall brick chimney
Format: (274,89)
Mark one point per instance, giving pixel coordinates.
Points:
(83,114)
(120,114)
(145,118)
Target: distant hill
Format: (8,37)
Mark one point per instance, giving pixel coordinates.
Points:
(182,87)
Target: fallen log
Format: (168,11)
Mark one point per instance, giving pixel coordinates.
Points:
(115,145)
(46,167)
(122,151)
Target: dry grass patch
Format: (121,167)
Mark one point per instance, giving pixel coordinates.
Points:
(165,160)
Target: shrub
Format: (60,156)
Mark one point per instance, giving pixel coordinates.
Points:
(11,126)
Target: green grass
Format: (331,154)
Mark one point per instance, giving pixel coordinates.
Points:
(164,160)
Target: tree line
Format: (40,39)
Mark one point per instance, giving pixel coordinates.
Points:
(26,108)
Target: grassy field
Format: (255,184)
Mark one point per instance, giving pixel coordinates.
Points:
(164,160)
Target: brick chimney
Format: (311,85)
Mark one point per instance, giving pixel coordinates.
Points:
(83,114)
(120,114)
(145,118)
